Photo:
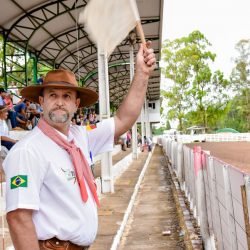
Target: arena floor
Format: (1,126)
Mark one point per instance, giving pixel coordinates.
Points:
(233,153)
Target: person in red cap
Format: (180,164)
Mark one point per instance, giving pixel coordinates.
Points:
(51,195)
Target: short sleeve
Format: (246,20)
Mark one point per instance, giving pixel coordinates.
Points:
(24,178)
(101,138)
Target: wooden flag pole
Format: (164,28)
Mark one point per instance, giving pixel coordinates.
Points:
(140,32)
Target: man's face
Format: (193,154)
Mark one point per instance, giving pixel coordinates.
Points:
(59,105)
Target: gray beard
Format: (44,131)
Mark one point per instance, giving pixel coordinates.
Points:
(59,119)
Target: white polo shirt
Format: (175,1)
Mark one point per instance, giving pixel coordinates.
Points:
(40,176)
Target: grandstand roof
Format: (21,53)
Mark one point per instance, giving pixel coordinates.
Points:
(48,29)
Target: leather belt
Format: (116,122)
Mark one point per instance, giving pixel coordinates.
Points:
(55,244)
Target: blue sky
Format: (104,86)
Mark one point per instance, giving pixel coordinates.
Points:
(223,22)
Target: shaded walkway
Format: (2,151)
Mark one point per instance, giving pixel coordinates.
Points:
(153,213)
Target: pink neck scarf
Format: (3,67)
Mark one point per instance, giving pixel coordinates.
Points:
(79,161)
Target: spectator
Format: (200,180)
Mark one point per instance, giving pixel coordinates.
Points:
(85,120)
(8,100)
(148,143)
(123,141)
(76,119)
(33,116)
(11,111)
(73,121)
(139,140)
(2,96)
(129,136)
(20,109)
(40,80)
(91,118)
(6,141)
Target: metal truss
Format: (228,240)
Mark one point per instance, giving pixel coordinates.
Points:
(70,49)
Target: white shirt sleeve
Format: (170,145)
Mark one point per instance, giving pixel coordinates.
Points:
(101,138)
(24,177)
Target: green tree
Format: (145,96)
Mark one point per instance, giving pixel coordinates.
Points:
(240,79)
(177,70)
(237,112)
(240,75)
(196,95)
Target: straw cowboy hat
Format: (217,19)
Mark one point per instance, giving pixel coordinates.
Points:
(62,79)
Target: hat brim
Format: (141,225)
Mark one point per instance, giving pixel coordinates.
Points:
(87,96)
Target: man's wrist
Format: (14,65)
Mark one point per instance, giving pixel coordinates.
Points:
(141,76)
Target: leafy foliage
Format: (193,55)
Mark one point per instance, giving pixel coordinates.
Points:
(196,95)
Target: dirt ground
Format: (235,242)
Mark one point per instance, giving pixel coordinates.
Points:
(233,153)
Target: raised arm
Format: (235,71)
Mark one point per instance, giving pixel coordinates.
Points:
(131,106)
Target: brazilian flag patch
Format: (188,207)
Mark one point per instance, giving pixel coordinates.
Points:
(19,181)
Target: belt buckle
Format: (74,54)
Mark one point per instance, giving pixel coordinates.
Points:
(54,243)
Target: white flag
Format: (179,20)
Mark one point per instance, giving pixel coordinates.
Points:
(109,22)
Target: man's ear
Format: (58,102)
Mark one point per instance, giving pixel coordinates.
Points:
(41,100)
(78,102)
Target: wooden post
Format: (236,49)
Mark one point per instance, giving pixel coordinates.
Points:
(245,211)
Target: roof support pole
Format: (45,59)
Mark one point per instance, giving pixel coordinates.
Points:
(4,60)
(134,128)
(104,109)
(25,68)
(34,68)
(147,123)
(142,125)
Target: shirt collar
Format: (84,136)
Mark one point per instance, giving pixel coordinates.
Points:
(68,138)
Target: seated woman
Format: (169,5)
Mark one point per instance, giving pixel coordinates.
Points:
(6,141)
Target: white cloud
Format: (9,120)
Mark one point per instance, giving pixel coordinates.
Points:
(223,22)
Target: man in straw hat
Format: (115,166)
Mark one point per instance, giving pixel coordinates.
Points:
(51,194)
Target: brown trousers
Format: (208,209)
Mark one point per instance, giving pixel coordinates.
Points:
(55,244)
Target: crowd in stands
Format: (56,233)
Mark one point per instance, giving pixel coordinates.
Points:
(85,117)
(21,115)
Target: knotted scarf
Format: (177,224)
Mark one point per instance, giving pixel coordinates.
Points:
(81,166)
